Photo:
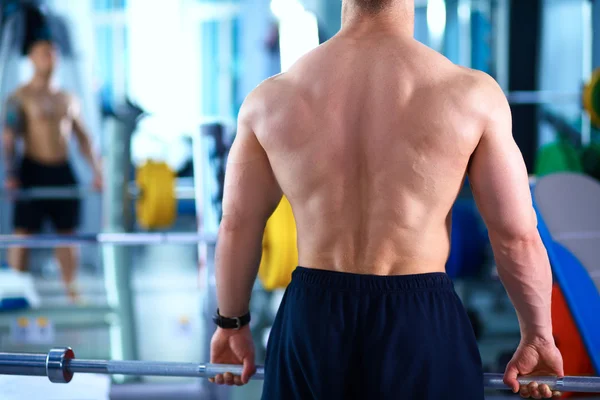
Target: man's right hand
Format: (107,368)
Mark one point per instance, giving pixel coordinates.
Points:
(233,347)
(536,357)
(11,183)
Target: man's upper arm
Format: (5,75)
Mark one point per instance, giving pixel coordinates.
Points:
(75,114)
(498,175)
(13,118)
(251,190)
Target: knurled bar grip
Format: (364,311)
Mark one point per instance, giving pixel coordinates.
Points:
(60,364)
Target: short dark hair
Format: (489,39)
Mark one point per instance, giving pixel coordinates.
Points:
(372,6)
(37,29)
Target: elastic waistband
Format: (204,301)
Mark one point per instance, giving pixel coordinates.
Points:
(30,162)
(357,282)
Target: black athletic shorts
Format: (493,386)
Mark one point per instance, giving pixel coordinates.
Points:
(31,214)
(340,336)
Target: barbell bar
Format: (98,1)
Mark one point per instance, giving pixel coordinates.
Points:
(544,97)
(60,364)
(122,239)
(75,192)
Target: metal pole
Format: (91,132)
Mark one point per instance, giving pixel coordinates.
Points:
(464,18)
(581,384)
(23,364)
(117,259)
(60,364)
(595,34)
(9,56)
(501,17)
(543,97)
(207,222)
(587,61)
(59,193)
(120,239)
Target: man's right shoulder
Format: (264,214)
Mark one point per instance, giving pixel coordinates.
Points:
(271,94)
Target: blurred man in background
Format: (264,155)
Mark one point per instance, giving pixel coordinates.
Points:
(44,117)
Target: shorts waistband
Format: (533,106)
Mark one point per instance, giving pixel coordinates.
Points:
(357,282)
(30,162)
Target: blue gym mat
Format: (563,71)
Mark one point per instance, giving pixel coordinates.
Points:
(568,209)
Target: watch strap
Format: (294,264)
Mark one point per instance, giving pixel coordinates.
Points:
(231,323)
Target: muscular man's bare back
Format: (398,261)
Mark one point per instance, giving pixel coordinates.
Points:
(370,153)
(48,122)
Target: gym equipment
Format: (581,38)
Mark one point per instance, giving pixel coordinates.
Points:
(155,193)
(60,364)
(542,97)
(589,97)
(590,160)
(121,239)
(468,241)
(567,153)
(568,209)
(280,253)
(560,156)
(66,192)
(218,142)
(581,384)
(566,335)
(157,205)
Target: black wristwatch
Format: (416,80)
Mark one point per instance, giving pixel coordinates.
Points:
(231,323)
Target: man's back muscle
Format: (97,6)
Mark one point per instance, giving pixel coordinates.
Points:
(370,141)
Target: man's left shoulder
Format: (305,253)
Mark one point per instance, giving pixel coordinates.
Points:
(70,101)
(66,96)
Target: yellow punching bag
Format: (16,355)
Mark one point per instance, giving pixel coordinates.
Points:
(280,252)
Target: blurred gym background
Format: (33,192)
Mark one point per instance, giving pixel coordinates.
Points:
(163,80)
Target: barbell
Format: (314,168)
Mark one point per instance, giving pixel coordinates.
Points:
(60,364)
(77,192)
(155,193)
(121,239)
(588,97)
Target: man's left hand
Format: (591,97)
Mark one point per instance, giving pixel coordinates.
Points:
(233,347)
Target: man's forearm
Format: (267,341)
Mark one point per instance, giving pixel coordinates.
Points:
(238,253)
(8,146)
(92,159)
(525,271)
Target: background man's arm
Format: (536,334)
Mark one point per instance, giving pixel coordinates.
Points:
(250,197)
(83,138)
(13,125)
(499,180)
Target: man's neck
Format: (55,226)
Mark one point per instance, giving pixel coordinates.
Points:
(41,82)
(397,19)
